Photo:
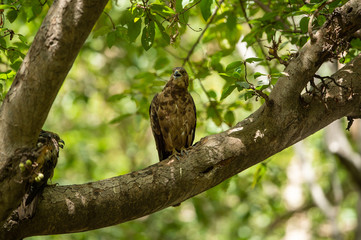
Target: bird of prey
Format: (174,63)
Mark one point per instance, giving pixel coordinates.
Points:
(173,116)
(38,164)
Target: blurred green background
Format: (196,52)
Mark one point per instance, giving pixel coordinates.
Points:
(101,112)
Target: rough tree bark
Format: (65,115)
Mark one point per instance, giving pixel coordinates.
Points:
(287,118)
(26,106)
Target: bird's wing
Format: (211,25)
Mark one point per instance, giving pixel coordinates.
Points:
(192,120)
(156,129)
(195,120)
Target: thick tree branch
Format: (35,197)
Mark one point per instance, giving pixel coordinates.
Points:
(211,161)
(329,40)
(26,106)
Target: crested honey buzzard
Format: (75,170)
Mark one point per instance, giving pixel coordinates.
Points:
(173,116)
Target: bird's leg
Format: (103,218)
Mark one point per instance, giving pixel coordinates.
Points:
(175,154)
(184,151)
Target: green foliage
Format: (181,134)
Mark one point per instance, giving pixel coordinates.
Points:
(102,109)
(205,6)
(13,44)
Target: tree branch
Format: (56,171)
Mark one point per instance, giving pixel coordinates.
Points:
(212,160)
(336,32)
(26,106)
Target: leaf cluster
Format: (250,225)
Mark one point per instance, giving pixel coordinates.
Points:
(14,44)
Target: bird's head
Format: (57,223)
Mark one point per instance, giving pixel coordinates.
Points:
(180,77)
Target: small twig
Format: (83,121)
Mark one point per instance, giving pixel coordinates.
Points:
(176,16)
(195,30)
(110,18)
(245,13)
(251,86)
(210,20)
(349,122)
(331,78)
(42,4)
(273,51)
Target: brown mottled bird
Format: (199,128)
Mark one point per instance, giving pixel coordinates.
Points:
(38,165)
(173,116)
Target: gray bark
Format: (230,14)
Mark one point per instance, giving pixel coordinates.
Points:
(26,106)
(287,118)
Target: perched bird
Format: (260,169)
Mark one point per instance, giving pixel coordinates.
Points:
(39,165)
(173,116)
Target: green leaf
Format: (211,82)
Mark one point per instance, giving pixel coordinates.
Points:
(356,43)
(231,21)
(5,6)
(212,113)
(12,55)
(161,9)
(212,94)
(237,74)
(117,97)
(162,31)
(35,11)
(7,75)
(229,118)
(248,95)
(16,65)
(227,90)
(111,38)
(120,118)
(161,63)
(2,44)
(257,75)
(253,59)
(102,31)
(205,6)
(233,66)
(241,85)
(178,6)
(321,20)
(12,15)
(216,62)
(304,24)
(306,8)
(134,29)
(22,39)
(227,77)
(260,172)
(309,8)
(148,36)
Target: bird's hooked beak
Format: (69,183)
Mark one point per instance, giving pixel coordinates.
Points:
(177,74)
(61,143)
